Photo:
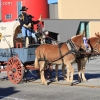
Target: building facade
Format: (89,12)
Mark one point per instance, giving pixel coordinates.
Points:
(53,11)
(81,9)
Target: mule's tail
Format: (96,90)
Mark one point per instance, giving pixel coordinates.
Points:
(36,64)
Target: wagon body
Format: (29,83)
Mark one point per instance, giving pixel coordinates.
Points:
(24,54)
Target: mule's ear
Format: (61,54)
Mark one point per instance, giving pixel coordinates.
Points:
(84,33)
(97,35)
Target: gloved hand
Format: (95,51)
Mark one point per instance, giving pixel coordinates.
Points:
(26,26)
(29,25)
(40,18)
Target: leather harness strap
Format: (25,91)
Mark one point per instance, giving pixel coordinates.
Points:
(73,50)
(59,47)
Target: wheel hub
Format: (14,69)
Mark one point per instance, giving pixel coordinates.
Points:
(14,70)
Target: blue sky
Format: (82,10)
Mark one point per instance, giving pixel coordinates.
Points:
(52,1)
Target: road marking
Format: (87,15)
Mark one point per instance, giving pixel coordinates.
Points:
(11,98)
(80,85)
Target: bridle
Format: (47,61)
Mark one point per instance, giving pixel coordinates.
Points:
(77,47)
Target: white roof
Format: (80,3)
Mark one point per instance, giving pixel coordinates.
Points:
(7,29)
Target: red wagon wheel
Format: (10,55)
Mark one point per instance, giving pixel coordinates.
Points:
(15,70)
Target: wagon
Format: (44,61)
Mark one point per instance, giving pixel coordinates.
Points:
(15,59)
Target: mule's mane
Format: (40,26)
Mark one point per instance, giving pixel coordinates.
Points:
(93,38)
(76,36)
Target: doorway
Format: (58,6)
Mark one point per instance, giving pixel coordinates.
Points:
(19,6)
(83,26)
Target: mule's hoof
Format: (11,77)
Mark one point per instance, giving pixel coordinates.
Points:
(42,83)
(45,83)
(80,81)
(71,84)
(56,80)
(84,80)
(65,78)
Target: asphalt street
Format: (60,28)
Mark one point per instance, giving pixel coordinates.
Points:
(33,90)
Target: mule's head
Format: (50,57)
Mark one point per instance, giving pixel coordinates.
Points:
(95,42)
(78,41)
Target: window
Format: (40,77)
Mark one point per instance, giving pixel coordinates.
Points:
(19,6)
(8,16)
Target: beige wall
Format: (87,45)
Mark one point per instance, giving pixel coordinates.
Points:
(79,9)
(94,27)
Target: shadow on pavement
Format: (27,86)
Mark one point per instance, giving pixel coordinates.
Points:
(4,92)
(30,77)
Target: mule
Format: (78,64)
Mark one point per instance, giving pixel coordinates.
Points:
(94,43)
(47,53)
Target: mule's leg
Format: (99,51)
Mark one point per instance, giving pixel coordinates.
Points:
(83,69)
(70,73)
(41,72)
(79,65)
(56,69)
(63,72)
(83,75)
(42,65)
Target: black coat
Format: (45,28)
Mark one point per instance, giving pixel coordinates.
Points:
(24,19)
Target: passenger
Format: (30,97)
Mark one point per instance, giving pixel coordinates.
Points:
(48,40)
(32,27)
(25,24)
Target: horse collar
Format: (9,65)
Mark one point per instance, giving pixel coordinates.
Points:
(71,45)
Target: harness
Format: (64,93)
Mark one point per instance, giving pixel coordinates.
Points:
(72,49)
(91,53)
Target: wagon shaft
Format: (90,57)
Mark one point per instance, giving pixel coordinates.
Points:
(31,67)
(3,70)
